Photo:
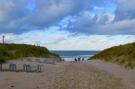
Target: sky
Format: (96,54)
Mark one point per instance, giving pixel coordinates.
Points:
(68,24)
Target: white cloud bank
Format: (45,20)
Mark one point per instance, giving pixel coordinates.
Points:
(54,39)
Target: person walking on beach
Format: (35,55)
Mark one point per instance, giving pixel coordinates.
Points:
(79,59)
(82,59)
(75,60)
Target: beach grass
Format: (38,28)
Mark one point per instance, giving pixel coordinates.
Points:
(123,55)
(15,51)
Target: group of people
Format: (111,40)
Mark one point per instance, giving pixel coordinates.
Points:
(79,59)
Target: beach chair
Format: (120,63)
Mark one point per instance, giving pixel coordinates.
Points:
(26,68)
(39,68)
(12,67)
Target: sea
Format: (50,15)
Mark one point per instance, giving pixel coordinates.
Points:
(71,55)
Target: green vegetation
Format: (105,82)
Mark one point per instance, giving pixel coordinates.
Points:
(15,51)
(123,55)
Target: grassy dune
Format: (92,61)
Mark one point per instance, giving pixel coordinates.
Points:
(123,55)
(15,51)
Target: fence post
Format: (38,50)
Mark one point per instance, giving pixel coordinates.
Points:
(0,67)
(24,68)
(39,69)
(28,68)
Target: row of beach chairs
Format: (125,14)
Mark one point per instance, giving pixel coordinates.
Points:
(26,68)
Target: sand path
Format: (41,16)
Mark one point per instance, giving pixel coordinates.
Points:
(66,75)
(127,75)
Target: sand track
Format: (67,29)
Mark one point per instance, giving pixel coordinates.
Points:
(64,75)
(84,76)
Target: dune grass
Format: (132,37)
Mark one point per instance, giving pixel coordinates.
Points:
(15,51)
(123,55)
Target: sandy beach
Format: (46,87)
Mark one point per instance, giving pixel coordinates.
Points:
(93,74)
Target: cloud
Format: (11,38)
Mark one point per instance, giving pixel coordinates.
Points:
(88,22)
(49,11)
(37,36)
(85,25)
(19,16)
(12,13)
(11,9)
(125,9)
(54,39)
(120,27)
(125,5)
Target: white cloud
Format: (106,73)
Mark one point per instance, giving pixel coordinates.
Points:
(49,11)
(54,39)
(125,9)
(123,27)
(126,5)
(93,42)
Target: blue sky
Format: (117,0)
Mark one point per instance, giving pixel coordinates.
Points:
(68,24)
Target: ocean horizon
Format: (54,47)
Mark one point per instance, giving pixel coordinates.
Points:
(70,55)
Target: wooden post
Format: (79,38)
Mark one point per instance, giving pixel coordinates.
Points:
(0,67)
(3,39)
(39,69)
